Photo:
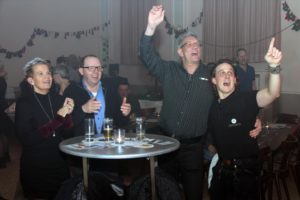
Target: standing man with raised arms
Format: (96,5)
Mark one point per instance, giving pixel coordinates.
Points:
(188,95)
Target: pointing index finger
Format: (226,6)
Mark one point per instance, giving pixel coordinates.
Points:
(271,44)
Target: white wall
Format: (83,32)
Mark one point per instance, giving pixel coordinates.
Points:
(18,18)
(290,95)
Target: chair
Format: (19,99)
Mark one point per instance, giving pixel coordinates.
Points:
(295,168)
(287,118)
(294,163)
(281,160)
(266,177)
(148,112)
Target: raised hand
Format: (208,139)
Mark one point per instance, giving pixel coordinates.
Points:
(273,56)
(125,107)
(155,17)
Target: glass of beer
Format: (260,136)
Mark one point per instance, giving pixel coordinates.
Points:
(140,129)
(108,127)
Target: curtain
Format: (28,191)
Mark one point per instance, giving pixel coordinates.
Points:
(232,24)
(134,17)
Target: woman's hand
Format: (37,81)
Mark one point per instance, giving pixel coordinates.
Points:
(67,108)
(69,103)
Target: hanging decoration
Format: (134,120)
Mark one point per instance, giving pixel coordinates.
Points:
(290,16)
(172,30)
(39,32)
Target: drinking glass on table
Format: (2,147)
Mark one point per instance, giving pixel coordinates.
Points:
(140,129)
(119,136)
(108,127)
(89,129)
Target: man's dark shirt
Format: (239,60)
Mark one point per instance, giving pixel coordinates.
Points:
(230,121)
(187,98)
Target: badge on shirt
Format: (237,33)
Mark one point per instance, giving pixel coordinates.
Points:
(234,122)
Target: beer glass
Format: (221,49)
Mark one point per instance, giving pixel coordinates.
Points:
(140,129)
(108,127)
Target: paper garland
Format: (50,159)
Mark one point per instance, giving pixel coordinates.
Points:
(172,30)
(290,16)
(40,32)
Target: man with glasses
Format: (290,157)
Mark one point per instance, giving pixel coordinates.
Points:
(188,95)
(91,71)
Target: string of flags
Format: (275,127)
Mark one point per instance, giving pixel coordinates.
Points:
(40,32)
(177,31)
(290,16)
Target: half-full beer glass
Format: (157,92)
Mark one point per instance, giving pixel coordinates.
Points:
(140,129)
(108,127)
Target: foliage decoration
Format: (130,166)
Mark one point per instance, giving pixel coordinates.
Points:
(290,16)
(177,31)
(40,32)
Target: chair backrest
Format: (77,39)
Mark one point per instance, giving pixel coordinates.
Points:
(296,131)
(287,118)
(265,159)
(283,155)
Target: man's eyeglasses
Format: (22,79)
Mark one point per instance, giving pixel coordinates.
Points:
(93,68)
(191,45)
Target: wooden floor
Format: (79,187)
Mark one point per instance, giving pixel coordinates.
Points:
(10,186)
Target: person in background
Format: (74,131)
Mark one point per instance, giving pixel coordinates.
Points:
(245,72)
(40,121)
(6,128)
(72,62)
(120,120)
(236,174)
(188,95)
(71,89)
(111,83)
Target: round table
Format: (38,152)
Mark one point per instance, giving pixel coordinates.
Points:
(157,145)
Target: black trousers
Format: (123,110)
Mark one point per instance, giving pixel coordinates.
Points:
(186,165)
(235,180)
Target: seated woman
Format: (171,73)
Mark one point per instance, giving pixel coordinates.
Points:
(232,115)
(41,118)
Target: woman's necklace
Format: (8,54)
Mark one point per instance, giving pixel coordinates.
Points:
(42,107)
